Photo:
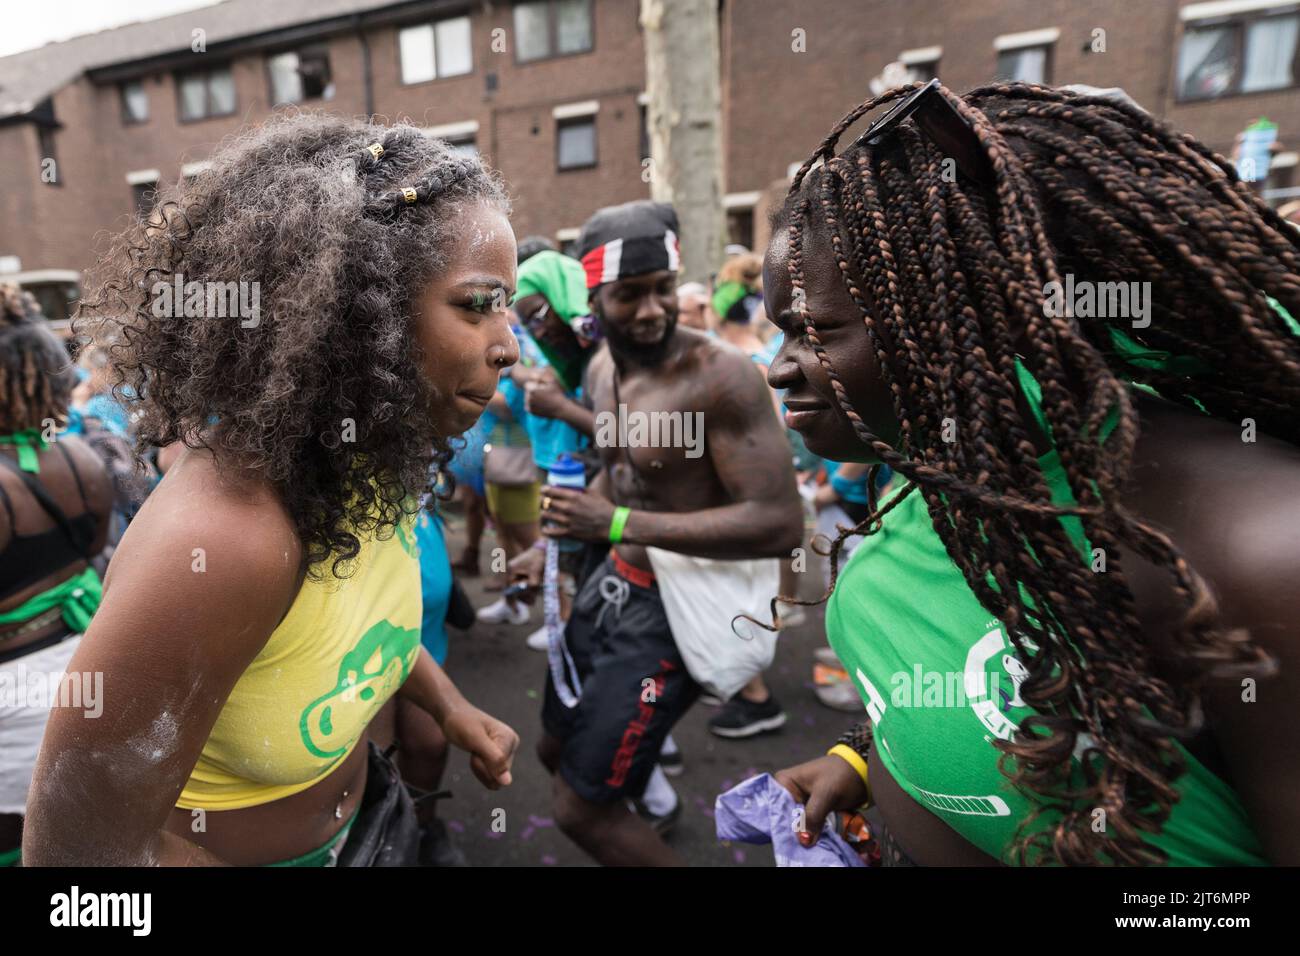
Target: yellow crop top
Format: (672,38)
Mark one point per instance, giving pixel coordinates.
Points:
(341,652)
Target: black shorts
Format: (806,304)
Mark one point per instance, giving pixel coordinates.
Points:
(634,689)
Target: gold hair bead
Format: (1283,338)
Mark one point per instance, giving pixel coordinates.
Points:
(376,150)
(408,194)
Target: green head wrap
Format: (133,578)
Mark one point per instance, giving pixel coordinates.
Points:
(563,282)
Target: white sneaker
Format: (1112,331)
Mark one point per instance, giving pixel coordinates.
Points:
(503,612)
(539,640)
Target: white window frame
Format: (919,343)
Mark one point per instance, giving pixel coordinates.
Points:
(1228,8)
(1018,41)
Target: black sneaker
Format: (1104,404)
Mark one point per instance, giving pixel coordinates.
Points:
(743,718)
(661,824)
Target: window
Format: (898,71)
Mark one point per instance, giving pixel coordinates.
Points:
(740,227)
(575,141)
(1027,64)
(546,28)
(433,50)
(466,145)
(144,195)
(135,102)
(1238,56)
(1270,54)
(921,72)
(210,93)
(922,63)
(300,75)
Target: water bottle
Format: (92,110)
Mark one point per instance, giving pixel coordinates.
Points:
(567,472)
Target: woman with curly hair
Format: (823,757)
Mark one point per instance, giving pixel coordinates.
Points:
(1062,622)
(265,602)
(56,499)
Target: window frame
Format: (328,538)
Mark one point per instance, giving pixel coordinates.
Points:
(151,186)
(1049,62)
(552,33)
(127,118)
(585,119)
(438,75)
(206,73)
(1239,24)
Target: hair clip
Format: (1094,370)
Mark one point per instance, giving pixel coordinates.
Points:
(408,194)
(376,150)
(940,121)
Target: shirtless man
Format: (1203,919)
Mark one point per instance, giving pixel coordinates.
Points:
(733,499)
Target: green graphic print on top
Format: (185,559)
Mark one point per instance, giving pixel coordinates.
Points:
(372,670)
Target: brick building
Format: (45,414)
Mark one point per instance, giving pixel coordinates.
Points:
(551,92)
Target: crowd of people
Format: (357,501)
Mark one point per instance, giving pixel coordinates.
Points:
(1080,521)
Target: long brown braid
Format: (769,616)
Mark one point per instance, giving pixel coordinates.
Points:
(36,376)
(949,281)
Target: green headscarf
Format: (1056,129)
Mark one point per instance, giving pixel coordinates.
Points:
(563,282)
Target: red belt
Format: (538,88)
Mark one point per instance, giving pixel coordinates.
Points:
(639,577)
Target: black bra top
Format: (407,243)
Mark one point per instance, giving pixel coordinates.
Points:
(30,557)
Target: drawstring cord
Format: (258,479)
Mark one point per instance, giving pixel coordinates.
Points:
(614,592)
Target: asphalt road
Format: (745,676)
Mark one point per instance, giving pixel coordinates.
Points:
(497,672)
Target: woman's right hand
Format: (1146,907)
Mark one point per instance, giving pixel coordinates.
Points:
(822,785)
(527,567)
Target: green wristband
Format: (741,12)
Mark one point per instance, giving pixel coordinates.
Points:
(616,524)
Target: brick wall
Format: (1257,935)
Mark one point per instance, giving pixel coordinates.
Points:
(777,103)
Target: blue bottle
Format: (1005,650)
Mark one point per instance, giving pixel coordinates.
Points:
(567,472)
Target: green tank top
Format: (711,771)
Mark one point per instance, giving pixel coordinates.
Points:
(940,680)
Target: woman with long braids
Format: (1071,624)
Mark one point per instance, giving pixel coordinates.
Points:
(1073,625)
(265,602)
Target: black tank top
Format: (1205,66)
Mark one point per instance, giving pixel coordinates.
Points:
(30,557)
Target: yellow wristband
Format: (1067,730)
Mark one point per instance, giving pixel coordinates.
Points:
(854,760)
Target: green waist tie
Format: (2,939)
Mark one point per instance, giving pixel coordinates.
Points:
(27,442)
(79,596)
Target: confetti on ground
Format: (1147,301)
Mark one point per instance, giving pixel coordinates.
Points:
(548,860)
(493,835)
(532,693)
(528,832)
(809,719)
(738,855)
(456,826)
(540,822)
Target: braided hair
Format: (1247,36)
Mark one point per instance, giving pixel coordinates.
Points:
(36,375)
(945,275)
(342,224)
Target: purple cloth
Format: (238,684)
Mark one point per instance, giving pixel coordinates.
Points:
(760,810)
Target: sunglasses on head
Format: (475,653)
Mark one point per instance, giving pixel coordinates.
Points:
(940,122)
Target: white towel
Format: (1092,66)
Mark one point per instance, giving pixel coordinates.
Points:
(701,598)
